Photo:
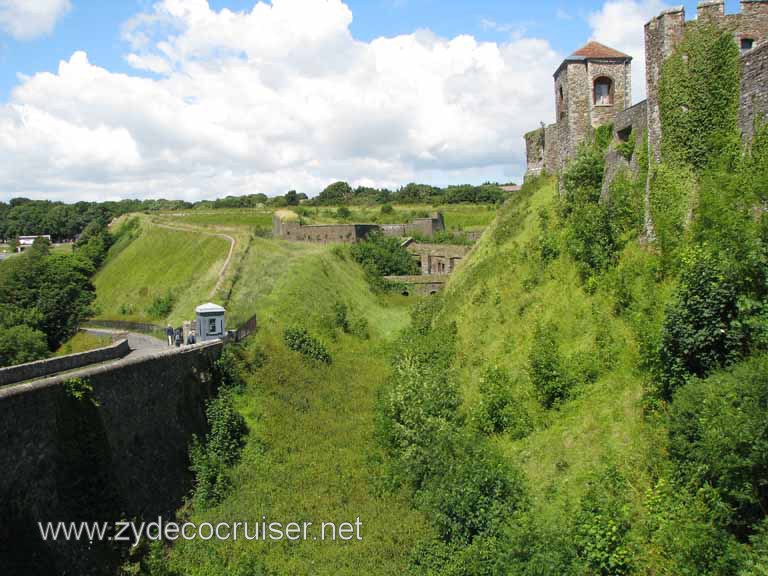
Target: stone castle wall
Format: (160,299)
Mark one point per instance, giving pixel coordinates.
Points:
(664,33)
(550,148)
(122,456)
(350,233)
(754,90)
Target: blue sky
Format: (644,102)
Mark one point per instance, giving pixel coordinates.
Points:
(95,27)
(454,110)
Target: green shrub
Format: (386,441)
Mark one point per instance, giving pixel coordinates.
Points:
(383,255)
(340,316)
(701,330)
(719,437)
(546,367)
(548,243)
(672,190)
(387,209)
(683,536)
(416,417)
(592,240)
(602,524)
(358,326)
(299,340)
(625,204)
(473,493)
(210,458)
(583,179)
(79,389)
(161,306)
(627,149)
(229,370)
(531,546)
(756,562)
(497,410)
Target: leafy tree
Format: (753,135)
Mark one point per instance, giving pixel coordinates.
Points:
(291,198)
(383,256)
(20,344)
(336,193)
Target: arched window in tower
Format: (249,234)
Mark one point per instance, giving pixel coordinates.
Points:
(561,103)
(603,91)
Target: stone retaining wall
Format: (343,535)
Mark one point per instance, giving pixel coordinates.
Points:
(122,453)
(40,368)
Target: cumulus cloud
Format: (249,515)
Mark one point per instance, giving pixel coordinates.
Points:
(274,98)
(620,24)
(27,19)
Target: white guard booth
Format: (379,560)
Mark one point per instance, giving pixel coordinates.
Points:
(210,322)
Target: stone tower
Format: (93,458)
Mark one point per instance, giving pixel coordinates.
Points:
(592,85)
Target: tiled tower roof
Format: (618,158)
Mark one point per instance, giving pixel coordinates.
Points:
(594,49)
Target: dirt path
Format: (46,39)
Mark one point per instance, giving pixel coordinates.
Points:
(232,245)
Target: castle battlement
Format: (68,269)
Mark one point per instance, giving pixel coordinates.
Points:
(593,85)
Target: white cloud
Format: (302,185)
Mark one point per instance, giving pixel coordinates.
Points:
(562,14)
(279,97)
(27,19)
(620,24)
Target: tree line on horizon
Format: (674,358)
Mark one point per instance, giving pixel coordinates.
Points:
(63,221)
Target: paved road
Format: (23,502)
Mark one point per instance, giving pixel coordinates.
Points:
(140,344)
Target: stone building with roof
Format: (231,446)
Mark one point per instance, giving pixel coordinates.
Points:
(593,85)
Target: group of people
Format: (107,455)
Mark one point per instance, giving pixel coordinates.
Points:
(176,336)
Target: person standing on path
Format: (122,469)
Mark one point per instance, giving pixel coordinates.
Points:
(169,334)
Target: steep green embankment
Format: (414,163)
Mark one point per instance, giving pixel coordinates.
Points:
(498,299)
(589,396)
(307,453)
(152,264)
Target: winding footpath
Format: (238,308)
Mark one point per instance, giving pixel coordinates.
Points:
(225,266)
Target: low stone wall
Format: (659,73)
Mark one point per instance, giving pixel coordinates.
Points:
(420,284)
(122,454)
(635,117)
(122,325)
(32,370)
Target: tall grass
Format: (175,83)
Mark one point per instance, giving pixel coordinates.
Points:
(159,261)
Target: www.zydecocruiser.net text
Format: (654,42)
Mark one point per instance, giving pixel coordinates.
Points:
(160,530)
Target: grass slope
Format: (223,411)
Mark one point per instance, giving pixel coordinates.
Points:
(310,435)
(157,261)
(83,342)
(497,298)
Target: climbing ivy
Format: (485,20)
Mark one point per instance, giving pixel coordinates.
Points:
(671,195)
(699,100)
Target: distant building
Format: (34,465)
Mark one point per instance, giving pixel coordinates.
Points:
(286,226)
(437,259)
(25,242)
(210,322)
